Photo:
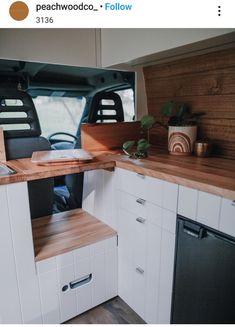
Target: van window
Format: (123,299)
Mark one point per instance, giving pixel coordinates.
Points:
(59,114)
(128,102)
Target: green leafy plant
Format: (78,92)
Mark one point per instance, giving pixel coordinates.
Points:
(180,115)
(142,146)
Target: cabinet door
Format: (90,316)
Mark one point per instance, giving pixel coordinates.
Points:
(208,211)
(227,217)
(68,300)
(49,297)
(125,256)
(166,277)
(19,215)
(153,256)
(139,265)
(10,309)
(187,204)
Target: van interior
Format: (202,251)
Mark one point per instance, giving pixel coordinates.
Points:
(115,237)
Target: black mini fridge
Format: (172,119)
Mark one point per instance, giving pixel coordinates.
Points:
(204,276)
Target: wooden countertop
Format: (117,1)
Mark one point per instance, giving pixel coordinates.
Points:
(28,171)
(64,232)
(213,175)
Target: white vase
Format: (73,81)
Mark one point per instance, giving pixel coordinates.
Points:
(181,139)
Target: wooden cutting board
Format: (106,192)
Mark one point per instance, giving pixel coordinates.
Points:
(60,156)
(109,136)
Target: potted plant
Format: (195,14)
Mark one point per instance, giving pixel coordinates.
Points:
(182,127)
(139,149)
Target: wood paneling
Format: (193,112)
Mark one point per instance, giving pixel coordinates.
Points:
(108,136)
(64,232)
(206,83)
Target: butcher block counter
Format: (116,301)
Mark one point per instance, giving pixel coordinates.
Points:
(212,175)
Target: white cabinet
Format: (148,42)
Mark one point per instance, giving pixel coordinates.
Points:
(156,191)
(123,45)
(208,211)
(227,217)
(10,310)
(166,277)
(187,204)
(146,244)
(76,281)
(77,47)
(19,299)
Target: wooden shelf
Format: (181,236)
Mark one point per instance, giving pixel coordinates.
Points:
(64,232)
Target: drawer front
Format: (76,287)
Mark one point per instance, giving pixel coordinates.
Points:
(154,214)
(187,205)
(162,218)
(135,205)
(76,281)
(227,217)
(208,211)
(170,196)
(49,294)
(67,296)
(132,183)
(154,190)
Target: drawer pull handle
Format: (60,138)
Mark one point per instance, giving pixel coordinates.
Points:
(140,220)
(81,281)
(141,201)
(139,270)
(233,203)
(140,175)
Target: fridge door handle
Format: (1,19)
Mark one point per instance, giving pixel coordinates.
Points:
(201,233)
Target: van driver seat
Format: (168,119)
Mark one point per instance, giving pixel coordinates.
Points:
(22,140)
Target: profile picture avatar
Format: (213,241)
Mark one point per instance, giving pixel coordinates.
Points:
(19,10)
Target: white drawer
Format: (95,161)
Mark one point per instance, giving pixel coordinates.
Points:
(187,204)
(208,211)
(162,218)
(76,281)
(170,196)
(135,205)
(227,217)
(132,183)
(155,190)
(154,214)
(46,265)
(169,221)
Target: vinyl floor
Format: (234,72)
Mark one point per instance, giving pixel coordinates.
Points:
(115,311)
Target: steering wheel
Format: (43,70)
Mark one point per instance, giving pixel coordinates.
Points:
(53,140)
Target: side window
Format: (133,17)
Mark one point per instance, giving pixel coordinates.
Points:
(128,102)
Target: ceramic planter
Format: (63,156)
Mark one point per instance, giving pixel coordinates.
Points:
(181,139)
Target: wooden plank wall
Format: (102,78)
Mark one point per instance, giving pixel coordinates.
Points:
(206,83)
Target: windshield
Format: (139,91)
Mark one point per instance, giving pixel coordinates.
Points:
(59,114)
